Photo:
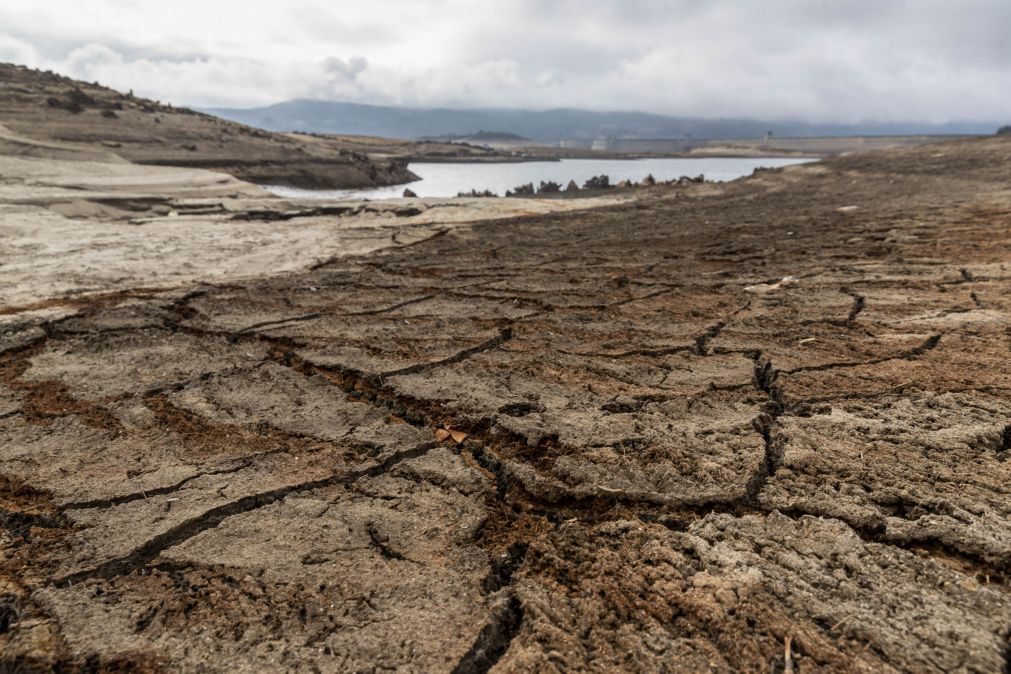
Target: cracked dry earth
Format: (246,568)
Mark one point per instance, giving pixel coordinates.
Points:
(763,427)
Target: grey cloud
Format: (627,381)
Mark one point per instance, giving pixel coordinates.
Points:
(314,21)
(823,60)
(339,78)
(349,69)
(58,46)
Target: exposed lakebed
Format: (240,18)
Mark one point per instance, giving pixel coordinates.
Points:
(448,180)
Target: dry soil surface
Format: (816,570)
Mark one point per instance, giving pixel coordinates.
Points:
(761,427)
(89,226)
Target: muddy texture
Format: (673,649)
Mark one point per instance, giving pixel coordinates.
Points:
(757,427)
(61,111)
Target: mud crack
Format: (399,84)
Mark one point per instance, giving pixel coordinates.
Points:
(712,332)
(381,543)
(245,462)
(929,344)
(215,516)
(505,334)
(494,638)
(766,424)
(859,304)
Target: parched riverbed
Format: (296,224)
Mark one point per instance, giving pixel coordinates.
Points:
(757,426)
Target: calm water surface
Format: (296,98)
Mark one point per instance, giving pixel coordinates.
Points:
(447,180)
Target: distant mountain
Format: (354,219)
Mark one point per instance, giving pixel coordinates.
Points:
(481,136)
(545,125)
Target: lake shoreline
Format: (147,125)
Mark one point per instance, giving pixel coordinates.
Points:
(611,156)
(447,180)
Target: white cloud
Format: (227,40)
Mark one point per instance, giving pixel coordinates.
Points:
(339,79)
(15,50)
(931,60)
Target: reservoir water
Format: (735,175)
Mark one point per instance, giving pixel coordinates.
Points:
(447,180)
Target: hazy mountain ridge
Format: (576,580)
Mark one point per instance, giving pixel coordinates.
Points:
(546,125)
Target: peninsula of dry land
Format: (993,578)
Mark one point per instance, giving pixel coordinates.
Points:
(52,108)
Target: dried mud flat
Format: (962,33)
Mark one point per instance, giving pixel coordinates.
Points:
(60,244)
(763,427)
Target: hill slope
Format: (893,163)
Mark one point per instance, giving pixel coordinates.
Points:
(52,108)
(544,125)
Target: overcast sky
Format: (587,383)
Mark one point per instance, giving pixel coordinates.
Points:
(818,60)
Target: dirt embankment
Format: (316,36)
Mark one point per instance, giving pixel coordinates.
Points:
(759,427)
(48,107)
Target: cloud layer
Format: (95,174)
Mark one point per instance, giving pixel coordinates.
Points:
(819,60)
